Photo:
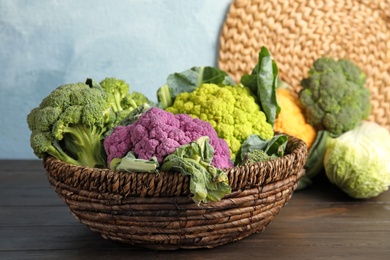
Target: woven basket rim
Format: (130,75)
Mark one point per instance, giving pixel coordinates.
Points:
(125,184)
(298,32)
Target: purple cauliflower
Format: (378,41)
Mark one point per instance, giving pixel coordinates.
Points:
(158,133)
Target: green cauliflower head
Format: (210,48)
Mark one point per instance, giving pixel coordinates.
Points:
(334,95)
(231,110)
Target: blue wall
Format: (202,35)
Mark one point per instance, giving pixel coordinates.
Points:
(47,43)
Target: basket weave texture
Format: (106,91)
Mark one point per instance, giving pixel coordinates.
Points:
(156,210)
(299,31)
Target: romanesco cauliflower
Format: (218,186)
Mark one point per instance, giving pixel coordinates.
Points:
(231,110)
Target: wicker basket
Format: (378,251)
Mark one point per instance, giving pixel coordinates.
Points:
(299,31)
(156,211)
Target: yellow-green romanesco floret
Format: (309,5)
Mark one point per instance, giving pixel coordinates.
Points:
(231,110)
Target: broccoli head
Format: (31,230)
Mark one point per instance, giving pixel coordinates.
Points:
(69,124)
(334,95)
(122,101)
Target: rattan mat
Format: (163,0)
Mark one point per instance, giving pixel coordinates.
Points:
(297,32)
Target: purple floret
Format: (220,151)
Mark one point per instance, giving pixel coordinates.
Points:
(158,133)
(117,143)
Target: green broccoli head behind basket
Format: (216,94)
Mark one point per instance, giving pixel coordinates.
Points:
(335,96)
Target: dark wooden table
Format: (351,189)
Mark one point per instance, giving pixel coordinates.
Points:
(317,223)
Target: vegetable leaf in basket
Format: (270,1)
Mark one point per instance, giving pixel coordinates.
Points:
(273,148)
(188,81)
(130,163)
(263,82)
(207,183)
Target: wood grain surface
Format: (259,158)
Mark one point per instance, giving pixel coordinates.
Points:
(320,222)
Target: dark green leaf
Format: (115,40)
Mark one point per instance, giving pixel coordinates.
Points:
(277,145)
(314,163)
(263,83)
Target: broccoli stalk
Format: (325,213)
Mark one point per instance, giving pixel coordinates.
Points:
(80,145)
(44,144)
(84,143)
(165,96)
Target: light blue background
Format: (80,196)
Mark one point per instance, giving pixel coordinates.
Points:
(46,43)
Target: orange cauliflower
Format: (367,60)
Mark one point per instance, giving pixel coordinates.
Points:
(291,119)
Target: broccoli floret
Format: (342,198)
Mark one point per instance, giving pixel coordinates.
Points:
(117,89)
(256,156)
(122,101)
(69,124)
(137,99)
(334,95)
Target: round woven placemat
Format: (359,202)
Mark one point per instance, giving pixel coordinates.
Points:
(299,31)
